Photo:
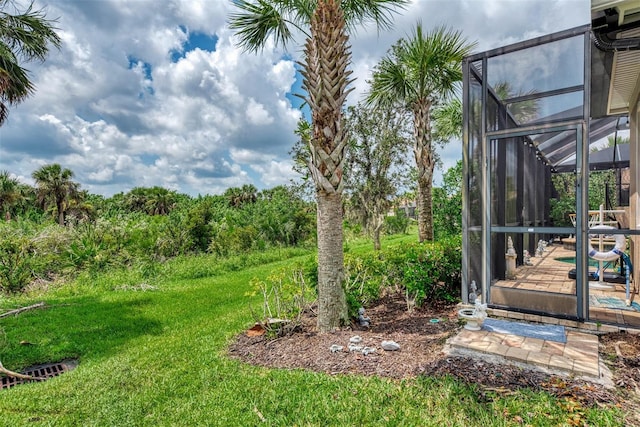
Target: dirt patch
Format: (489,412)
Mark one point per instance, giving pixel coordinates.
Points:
(420,339)
(421,335)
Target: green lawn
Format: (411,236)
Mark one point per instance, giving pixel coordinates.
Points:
(158,358)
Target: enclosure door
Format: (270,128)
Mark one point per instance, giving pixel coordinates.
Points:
(534,257)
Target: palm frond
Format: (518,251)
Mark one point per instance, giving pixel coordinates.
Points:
(15,85)
(380,12)
(23,37)
(4,112)
(447,120)
(435,59)
(257,21)
(29,34)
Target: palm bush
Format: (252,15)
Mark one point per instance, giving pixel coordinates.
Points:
(17,261)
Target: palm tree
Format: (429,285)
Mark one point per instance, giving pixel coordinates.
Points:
(54,186)
(324,68)
(416,74)
(26,201)
(238,196)
(9,193)
(24,37)
(136,200)
(150,200)
(161,201)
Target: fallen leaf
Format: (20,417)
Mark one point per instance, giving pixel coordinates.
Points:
(256,330)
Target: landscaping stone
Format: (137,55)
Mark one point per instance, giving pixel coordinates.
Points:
(354,347)
(335,348)
(390,345)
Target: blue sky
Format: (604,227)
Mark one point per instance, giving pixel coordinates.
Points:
(155,92)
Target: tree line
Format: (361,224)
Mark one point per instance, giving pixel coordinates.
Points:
(145,226)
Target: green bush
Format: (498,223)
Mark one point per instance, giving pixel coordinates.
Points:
(560,210)
(174,238)
(233,240)
(447,213)
(86,250)
(17,261)
(396,224)
(430,272)
(364,280)
(198,223)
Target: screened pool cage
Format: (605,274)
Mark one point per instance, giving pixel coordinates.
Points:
(527,155)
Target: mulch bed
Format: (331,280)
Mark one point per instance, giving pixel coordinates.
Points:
(421,335)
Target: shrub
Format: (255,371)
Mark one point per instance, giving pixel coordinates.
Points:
(50,245)
(560,210)
(17,261)
(198,223)
(174,238)
(232,240)
(364,280)
(87,249)
(447,213)
(396,224)
(429,272)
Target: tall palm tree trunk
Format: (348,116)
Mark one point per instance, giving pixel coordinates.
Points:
(332,302)
(325,80)
(424,161)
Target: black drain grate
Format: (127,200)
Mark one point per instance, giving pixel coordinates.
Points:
(42,372)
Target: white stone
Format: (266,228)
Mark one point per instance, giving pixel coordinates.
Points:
(336,348)
(357,339)
(390,345)
(368,350)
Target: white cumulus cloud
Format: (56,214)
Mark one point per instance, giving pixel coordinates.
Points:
(132,98)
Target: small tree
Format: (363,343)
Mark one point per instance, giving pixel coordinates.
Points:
(447,203)
(152,201)
(239,196)
(378,141)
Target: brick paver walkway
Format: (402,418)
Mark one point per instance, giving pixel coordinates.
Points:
(579,355)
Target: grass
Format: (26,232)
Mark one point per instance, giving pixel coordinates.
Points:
(158,358)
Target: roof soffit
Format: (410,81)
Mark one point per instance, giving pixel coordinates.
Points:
(625,77)
(625,68)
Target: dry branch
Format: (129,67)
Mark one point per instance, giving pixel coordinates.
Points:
(20,310)
(9,373)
